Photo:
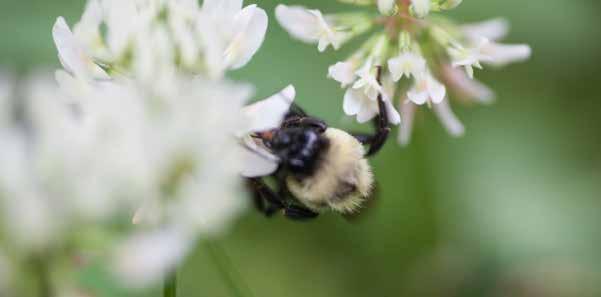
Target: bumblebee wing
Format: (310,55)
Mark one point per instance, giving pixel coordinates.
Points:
(296,111)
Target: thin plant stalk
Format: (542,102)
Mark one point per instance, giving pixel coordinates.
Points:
(232,278)
(41,270)
(170,285)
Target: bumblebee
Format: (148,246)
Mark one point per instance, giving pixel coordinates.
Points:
(320,168)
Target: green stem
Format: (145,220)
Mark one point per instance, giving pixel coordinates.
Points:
(170,286)
(41,269)
(226,269)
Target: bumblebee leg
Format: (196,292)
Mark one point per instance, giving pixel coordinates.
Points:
(299,213)
(291,210)
(375,141)
(258,201)
(382,125)
(266,200)
(365,139)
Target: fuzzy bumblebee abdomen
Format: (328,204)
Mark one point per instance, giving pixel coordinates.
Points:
(343,179)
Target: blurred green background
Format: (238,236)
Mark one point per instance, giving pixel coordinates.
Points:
(510,209)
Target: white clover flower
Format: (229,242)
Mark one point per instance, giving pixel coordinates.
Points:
(136,118)
(236,33)
(309,25)
(467,88)
(367,81)
(497,54)
(211,39)
(426,89)
(358,103)
(359,76)
(494,29)
(406,64)
(191,134)
(488,52)
(468,57)
(343,72)
(401,50)
(250,26)
(89,161)
(421,8)
(73,55)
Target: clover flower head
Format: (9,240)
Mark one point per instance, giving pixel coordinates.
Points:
(132,129)
(147,37)
(419,51)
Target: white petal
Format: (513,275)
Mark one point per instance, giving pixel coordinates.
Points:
(386,7)
(503,54)
(395,66)
(369,109)
(149,214)
(191,4)
(147,258)
(185,40)
(352,101)
(70,52)
(448,119)
(466,87)
(388,88)
(256,160)
(251,24)
(421,7)
(223,7)
(267,114)
(493,29)
(417,97)
(359,84)
(322,45)
(343,72)
(393,116)
(408,110)
(299,22)
(437,91)
(92,15)
(372,92)
(121,22)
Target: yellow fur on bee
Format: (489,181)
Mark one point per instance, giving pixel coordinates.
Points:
(343,180)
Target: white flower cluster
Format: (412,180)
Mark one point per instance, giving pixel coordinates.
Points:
(140,127)
(419,53)
(151,39)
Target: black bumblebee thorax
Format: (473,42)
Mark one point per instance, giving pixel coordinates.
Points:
(299,149)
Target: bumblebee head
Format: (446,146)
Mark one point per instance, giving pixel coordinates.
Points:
(299,149)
